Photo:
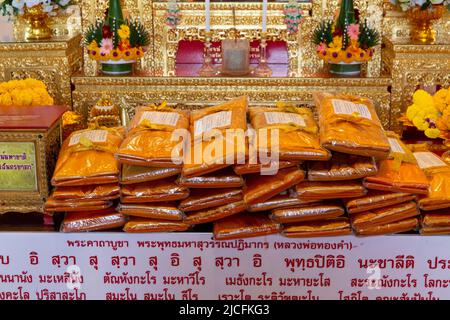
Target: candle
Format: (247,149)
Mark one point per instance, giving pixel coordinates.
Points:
(264,16)
(207,15)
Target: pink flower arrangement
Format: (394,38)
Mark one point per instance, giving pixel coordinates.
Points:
(353,31)
(106,46)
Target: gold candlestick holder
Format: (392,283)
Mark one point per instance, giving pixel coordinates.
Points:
(207,69)
(263,69)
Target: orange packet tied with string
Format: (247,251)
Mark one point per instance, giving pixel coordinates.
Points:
(438,173)
(400,172)
(150,141)
(154,191)
(309,212)
(217,138)
(297,135)
(200,199)
(52,205)
(244,225)
(87,157)
(435,222)
(350,124)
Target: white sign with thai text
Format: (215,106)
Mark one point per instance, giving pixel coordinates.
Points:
(193,266)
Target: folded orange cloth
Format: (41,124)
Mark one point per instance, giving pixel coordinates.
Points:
(218,137)
(376,200)
(142,225)
(436,222)
(225,178)
(296,135)
(244,225)
(154,191)
(92,221)
(342,167)
(96,192)
(286,199)
(158,210)
(258,167)
(87,158)
(399,173)
(324,228)
(53,205)
(136,174)
(200,199)
(398,212)
(350,124)
(150,141)
(216,213)
(409,224)
(261,188)
(317,190)
(438,173)
(311,212)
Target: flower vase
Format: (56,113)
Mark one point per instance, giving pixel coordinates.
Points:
(120,67)
(346,69)
(36,19)
(422,23)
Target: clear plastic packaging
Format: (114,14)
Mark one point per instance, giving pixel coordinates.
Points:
(200,199)
(216,213)
(287,200)
(52,205)
(256,168)
(225,178)
(399,173)
(159,211)
(435,223)
(261,188)
(342,167)
(229,121)
(377,199)
(142,225)
(87,157)
(136,174)
(244,225)
(350,124)
(324,228)
(297,132)
(96,192)
(149,141)
(438,174)
(317,190)
(312,212)
(405,225)
(92,221)
(385,215)
(154,191)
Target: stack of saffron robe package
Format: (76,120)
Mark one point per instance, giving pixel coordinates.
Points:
(245,171)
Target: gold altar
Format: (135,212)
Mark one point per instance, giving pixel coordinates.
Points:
(53,61)
(411,65)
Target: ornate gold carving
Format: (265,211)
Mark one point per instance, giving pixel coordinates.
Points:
(53,62)
(410,66)
(47,148)
(198,92)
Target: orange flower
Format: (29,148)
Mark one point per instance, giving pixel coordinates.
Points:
(124,45)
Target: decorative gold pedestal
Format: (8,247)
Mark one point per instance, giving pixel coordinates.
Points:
(199,92)
(52,61)
(412,65)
